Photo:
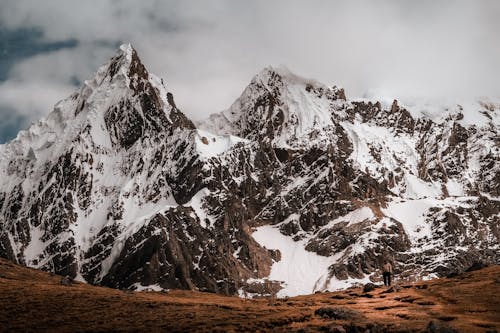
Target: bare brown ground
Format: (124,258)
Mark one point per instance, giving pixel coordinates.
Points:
(32,300)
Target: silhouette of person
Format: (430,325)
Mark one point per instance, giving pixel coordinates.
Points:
(387,273)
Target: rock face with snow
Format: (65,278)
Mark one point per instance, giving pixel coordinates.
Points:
(293,189)
(108,189)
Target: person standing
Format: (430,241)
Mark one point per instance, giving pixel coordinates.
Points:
(387,273)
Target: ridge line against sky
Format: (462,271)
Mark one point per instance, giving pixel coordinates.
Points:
(207,51)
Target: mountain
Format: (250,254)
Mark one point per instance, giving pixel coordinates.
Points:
(292,190)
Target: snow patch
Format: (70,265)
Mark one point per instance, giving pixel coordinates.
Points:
(299,270)
(455,189)
(411,214)
(356,216)
(209,145)
(35,247)
(416,188)
(196,203)
(152,287)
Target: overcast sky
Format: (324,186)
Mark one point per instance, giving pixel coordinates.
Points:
(207,51)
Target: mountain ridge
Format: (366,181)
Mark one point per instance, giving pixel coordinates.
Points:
(118,187)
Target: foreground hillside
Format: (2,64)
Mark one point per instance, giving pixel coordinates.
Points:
(32,300)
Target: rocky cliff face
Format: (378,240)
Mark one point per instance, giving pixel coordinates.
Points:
(293,189)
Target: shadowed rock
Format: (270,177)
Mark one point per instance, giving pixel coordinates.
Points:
(336,313)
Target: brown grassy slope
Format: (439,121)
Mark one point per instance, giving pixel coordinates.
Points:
(32,300)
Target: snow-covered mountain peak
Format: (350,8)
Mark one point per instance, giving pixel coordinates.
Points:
(269,74)
(98,163)
(121,62)
(119,71)
(283,79)
(122,104)
(278,107)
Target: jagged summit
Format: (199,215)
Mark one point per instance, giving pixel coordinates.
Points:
(286,75)
(122,103)
(279,107)
(121,62)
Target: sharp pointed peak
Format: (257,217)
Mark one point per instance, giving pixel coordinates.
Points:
(126,49)
(125,60)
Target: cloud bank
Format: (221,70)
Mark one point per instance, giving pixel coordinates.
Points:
(207,51)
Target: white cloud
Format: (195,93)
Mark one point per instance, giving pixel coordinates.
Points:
(62,65)
(32,99)
(207,51)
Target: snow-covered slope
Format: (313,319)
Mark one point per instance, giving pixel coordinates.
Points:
(291,190)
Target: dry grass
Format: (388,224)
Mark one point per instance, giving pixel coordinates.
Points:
(36,301)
